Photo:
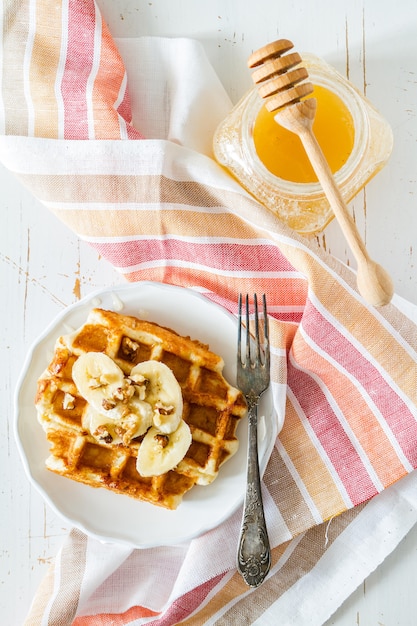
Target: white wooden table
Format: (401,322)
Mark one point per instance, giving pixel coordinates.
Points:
(44,267)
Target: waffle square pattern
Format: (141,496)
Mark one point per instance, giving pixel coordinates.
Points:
(99,445)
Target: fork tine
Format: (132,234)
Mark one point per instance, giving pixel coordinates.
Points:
(266,333)
(239,330)
(266,355)
(247,332)
(258,340)
(244,319)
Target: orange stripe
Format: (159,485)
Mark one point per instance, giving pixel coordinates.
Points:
(310,466)
(287,496)
(42,598)
(108,81)
(233,589)
(16,21)
(228,287)
(43,67)
(115,619)
(114,189)
(128,223)
(361,419)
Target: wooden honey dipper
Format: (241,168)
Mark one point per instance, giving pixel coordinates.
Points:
(283,85)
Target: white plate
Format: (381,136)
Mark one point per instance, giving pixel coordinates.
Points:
(116,518)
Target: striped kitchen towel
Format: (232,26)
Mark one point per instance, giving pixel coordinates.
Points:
(115,139)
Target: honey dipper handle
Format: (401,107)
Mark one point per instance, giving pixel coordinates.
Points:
(374,283)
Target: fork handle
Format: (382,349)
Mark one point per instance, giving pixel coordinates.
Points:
(254,554)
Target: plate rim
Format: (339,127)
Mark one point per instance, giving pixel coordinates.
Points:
(105,537)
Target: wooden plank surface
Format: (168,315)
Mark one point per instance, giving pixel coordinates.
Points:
(44,267)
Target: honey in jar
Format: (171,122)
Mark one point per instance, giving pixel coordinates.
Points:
(334,130)
(270,162)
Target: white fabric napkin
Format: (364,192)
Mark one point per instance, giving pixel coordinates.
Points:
(177,101)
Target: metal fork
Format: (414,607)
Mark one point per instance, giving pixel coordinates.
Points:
(253,378)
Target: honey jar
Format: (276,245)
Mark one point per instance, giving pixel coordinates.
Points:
(269,161)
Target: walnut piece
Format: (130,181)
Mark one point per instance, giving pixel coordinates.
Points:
(164,409)
(108,404)
(102,434)
(68,402)
(129,348)
(162,440)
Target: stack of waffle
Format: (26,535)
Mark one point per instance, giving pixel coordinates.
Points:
(212,409)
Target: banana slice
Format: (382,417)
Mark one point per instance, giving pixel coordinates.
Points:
(160,452)
(133,422)
(99,380)
(113,432)
(100,426)
(140,414)
(161,389)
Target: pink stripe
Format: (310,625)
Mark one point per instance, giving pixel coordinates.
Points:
(227,256)
(187,604)
(133,133)
(331,435)
(124,109)
(81,23)
(206,279)
(397,414)
(232,307)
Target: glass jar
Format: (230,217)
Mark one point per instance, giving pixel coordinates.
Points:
(303,206)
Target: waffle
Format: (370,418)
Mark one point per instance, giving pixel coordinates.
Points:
(212,409)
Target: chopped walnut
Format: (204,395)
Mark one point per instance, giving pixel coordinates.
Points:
(102,434)
(139,383)
(162,440)
(129,348)
(108,404)
(102,380)
(130,388)
(128,427)
(124,393)
(125,435)
(68,402)
(118,394)
(163,409)
(120,431)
